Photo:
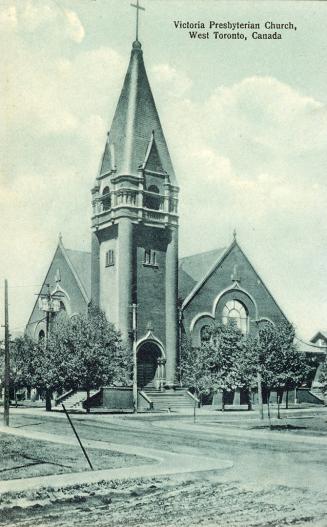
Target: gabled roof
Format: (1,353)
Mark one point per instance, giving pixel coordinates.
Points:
(192,268)
(197,265)
(136,120)
(223,253)
(321,334)
(81,263)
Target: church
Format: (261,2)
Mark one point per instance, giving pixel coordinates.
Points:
(133,272)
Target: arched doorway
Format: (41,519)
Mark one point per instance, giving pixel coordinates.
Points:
(147,363)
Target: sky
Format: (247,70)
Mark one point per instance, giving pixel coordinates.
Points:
(245,123)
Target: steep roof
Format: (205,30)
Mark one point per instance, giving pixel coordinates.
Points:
(193,268)
(81,262)
(136,122)
(321,334)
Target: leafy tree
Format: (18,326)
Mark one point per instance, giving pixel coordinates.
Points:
(82,352)
(195,368)
(227,360)
(209,367)
(22,353)
(323,371)
(245,366)
(90,351)
(283,367)
(224,347)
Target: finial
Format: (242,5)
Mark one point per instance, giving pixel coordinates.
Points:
(60,238)
(138,8)
(149,326)
(234,233)
(137,44)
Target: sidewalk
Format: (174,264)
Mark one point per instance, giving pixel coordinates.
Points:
(168,463)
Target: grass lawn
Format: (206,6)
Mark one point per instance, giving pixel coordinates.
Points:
(21,458)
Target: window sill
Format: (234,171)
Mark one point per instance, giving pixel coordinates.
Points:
(110,265)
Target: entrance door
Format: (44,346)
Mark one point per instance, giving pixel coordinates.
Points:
(147,360)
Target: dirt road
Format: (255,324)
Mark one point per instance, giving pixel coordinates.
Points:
(270,484)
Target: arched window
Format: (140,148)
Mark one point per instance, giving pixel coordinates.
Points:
(152,202)
(106,199)
(205,333)
(235,313)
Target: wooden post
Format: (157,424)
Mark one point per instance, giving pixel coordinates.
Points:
(6,401)
(259,383)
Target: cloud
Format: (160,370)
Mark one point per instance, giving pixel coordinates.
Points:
(36,15)
(176,82)
(268,114)
(75,28)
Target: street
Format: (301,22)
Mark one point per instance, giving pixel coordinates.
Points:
(269,482)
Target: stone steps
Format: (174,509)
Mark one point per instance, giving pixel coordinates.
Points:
(169,400)
(76,400)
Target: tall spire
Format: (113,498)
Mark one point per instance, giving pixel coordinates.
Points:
(135,123)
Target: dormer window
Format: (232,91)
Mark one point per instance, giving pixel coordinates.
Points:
(110,258)
(150,258)
(106,199)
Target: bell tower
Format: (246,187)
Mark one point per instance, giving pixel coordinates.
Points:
(135,225)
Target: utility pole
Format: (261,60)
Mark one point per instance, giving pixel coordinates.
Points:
(134,322)
(49,304)
(6,401)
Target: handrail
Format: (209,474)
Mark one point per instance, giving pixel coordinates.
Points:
(195,399)
(63,396)
(147,398)
(86,402)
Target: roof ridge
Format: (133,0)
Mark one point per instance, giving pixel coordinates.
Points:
(203,252)
(77,251)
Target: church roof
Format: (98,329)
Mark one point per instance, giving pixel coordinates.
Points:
(193,268)
(322,333)
(135,124)
(81,262)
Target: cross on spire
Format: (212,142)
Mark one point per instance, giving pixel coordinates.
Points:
(138,8)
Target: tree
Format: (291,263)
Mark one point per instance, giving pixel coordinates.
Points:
(22,354)
(83,352)
(195,368)
(90,351)
(245,366)
(224,347)
(323,371)
(209,367)
(283,366)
